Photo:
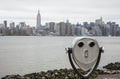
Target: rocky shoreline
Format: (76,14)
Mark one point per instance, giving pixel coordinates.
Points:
(112,69)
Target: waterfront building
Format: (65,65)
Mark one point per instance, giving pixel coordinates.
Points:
(1,25)
(2,29)
(96,31)
(68,28)
(51,26)
(29,30)
(83,31)
(102,26)
(38,24)
(107,29)
(113,28)
(86,25)
(12,28)
(62,28)
(92,24)
(12,25)
(73,29)
(5,23)
(99,21)
(22,25)
(57,31)
(78,29)
(116,28)
(17,26)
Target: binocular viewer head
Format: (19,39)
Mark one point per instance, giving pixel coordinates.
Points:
(85,53)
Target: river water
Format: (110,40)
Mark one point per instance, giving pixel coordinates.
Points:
(27,54)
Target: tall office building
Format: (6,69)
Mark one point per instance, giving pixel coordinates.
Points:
(51,26)
(68,28)
(38,25)
(22,25)
(12,25)
(5,24)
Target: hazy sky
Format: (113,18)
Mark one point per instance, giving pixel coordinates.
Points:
(59,10)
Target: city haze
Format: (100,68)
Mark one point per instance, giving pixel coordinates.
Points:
(59,10)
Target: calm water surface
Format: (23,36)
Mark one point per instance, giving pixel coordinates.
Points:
(27,54)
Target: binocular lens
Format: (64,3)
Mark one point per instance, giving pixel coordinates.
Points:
(92,44)
(81,44)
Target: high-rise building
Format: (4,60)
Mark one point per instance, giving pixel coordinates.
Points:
(61,28)
(38,25)
(78,29)
(12,25)
(51,26)
(86,25)
(5,24)
(22,24)
(68,28)
(99,21)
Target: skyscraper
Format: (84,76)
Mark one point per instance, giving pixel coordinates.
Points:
(38,25)
(5,24)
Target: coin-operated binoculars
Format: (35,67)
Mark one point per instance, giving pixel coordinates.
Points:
(85,53)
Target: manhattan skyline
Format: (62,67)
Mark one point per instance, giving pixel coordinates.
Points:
(59,10)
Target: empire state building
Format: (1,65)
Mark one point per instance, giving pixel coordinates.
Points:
(38,25)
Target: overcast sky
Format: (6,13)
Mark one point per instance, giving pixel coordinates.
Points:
(59,10)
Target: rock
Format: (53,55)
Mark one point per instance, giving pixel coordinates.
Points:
(113,66)
(14,77)
(65,73)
